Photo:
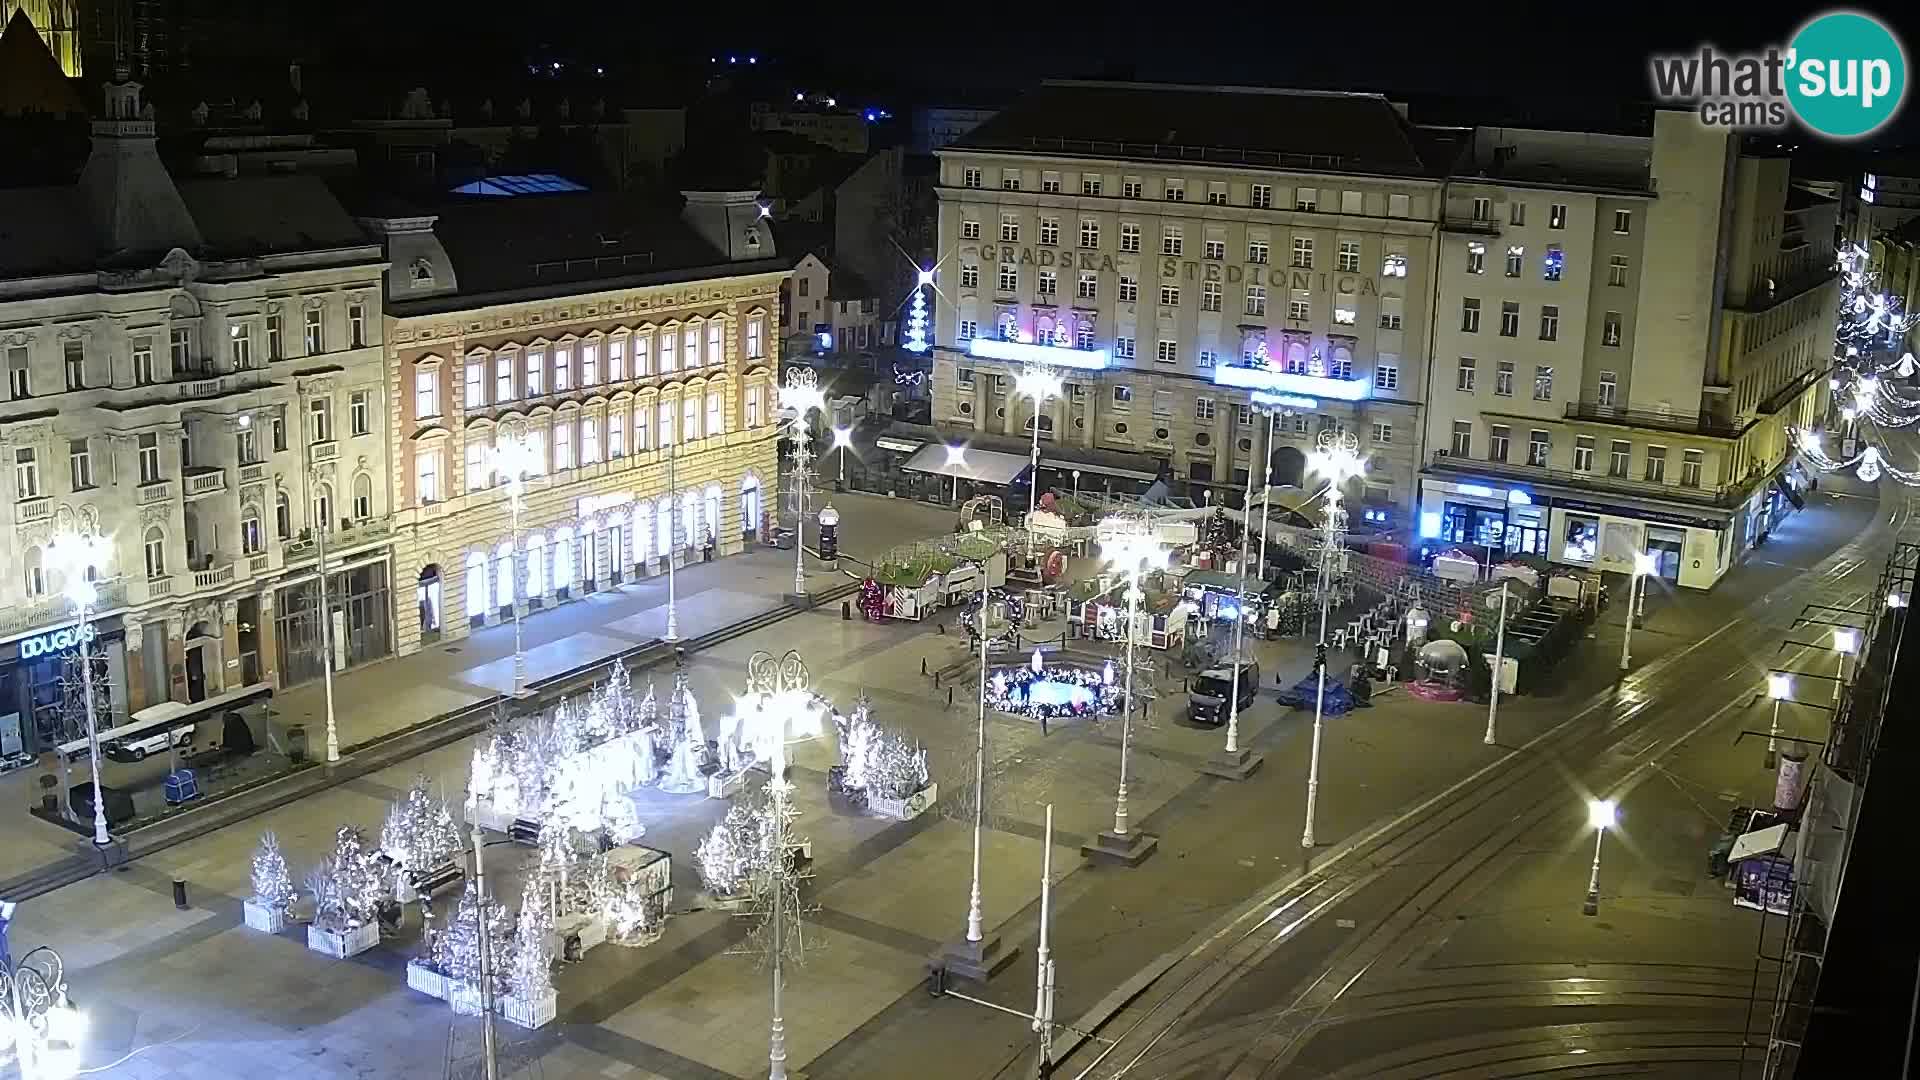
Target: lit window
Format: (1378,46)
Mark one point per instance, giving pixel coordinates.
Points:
(426,393)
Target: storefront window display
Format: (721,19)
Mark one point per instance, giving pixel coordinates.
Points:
(1466,524)
(1582,539)
(1526,532)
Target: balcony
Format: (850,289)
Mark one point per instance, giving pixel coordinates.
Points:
(340,541)
(30,511)
(1470,225)
(159,586)
(1722,497)
(323,451)
(1704,424)
(203,481)
(153,492)
(259,564)
(213,577)
(253,473)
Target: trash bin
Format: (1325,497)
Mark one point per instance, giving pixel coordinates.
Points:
(296,744)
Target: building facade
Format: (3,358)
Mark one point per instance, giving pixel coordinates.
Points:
(1286,248)
(645,398)
(194,373)
(1625,331)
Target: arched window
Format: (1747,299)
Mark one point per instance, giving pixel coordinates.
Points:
(536,580)
(363,497)
(642,531)
(1296,359)
(252,540)
(156,552)
(503,576)
(563,569)
(282,516)
(690,535)
(749,505)
(476,584)
(323,506)
(712,513)
(36,573)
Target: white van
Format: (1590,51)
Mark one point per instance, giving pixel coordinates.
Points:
(137,747)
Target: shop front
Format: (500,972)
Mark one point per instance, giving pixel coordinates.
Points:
(35,669)
(360,604)
(1497,520)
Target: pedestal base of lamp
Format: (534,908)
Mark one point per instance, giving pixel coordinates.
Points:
(1592,906)
(975,961)
(112,854)
(1235,766)
(521,694)
(1129,850)
(799,600)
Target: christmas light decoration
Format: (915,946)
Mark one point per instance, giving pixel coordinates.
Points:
(880,762)
(530,963)
(917,316)
(455,950)
(350,885)
(687,742)
(1054,692)
(420,832)
(272,886)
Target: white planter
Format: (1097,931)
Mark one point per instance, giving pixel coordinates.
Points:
(537,1012)
(724,785)
(426,980)
(263,917)
(342,944)
(465,999)
(908,808)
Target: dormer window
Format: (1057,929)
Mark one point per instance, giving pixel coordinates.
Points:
(753,237)
(420,275)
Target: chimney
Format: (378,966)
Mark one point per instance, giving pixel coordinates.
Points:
(734,222)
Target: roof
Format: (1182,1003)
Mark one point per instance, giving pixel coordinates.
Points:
(1802,198)
(979,466)
(844,284)
(1294,129)
(264,215)
(30,78)
(45,230)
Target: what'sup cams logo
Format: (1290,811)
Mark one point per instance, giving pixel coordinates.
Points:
(1843,76)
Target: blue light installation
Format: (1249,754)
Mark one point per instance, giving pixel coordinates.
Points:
(917,316)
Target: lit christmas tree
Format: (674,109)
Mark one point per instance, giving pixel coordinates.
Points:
(687,739)
(1221,538)
(917,322)
(530,965)
(457,947)
(272,885)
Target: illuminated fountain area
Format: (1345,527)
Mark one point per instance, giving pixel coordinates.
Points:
(1056,688)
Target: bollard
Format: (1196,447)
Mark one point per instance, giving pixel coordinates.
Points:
(180,894)
(846,611)
(923,666)
(936,680)
(949,697)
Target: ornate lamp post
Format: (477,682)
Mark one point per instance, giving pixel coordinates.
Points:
(77,559)
(1134,551)
(843,441)
(1337,459)
(1600,814)
(1038,382)
(801,394)
(515,458)
(1643,564)
(975,955)
(42,1026)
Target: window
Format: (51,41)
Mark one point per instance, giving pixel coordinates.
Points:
(562,445)
(1399,205)
(1386,376)
(756,337)
(1299,305)
(320,420)
(1549,323)
(1049,283)
(1690,462)
(1216,194)
(1516,258)
(536,372)
(589,440)
(426,475)
(1256,300)
(616,435)
(180,349)
(26,475)
(669,351)
(1010,179)
(1503,379)
(1009,278)
(1476,257)
(563,361)
(1203,408)
(969,277)
(252,541)
(503,377)
(689,418)
(1517,213)
(1346,308)
(282,516)
(1206,358)
(1162,405)
(1617,271)
(970,178)
(1623,222)
(1132,188)
(1123,348)
(1176,190)
(690,342)
(1610,329)
(279,424)
(1090,185)
(1618,455)
(357,324)
(1390,309)
(426,394)
(1009,229)
(590,360)
(360,412)
(1167,352)
(80,463)
(1583,453)
(1483,209)
(1009,326)
(316,339)
(1542,382)
(1348,261)
(969,329)
(642,412)
(363,495)
(1557,216)
(1393,264)
(1129,237)
(478,474)
(475,378)
(1606,389)
(1089,233)
(1215,250)
(1352,202)
(1306,198)
(155,549)
(1553,263)
(969,230)
(1171,242)
(1303,252)
(1464,378)
(1462,438)
(1470,315)
(1656,464)
(1509,319)
(276,338)
(1083,336)
(617,349)
(1050,231)
(1498,436)
(1129,289)
(1539,448)
(1261,196)
(1382,433)
(19,374)
(149,458)
(1088,287)
(1169,296)
(1210,296)
(1122,396)
(1050,183)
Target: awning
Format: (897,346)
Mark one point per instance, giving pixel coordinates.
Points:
(1759,842)
(172,714)
(904,446)
(1104,470)
(979,466)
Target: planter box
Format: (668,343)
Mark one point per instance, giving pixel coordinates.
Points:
(464,999)
(342,944)
(724,785)
(426,980)
(534,1013)
(905,809)
(261,917)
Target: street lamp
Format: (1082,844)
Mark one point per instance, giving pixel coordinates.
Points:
(1337,459)
(515,458)
(1643,565)
(1499,668)
(956,460)
(1235,763)
(1845,642)
(801,394)
(1600,814)
(77,558)
(41,1024)
(1779,688)
(843,441)
(1038,382)
(1076,486)
(1134,551)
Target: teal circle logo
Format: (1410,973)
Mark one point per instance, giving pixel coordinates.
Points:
(1847,74)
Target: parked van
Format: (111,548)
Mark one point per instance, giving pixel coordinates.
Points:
(1210,692)
(137,747)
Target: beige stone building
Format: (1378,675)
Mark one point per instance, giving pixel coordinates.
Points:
(635,352)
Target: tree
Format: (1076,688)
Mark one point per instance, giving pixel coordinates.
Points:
(272,885)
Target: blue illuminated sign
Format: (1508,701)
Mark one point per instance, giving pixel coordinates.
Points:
(55,641)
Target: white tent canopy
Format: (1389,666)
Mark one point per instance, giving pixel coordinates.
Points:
(979,466)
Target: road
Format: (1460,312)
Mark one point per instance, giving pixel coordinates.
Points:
(1448,941)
